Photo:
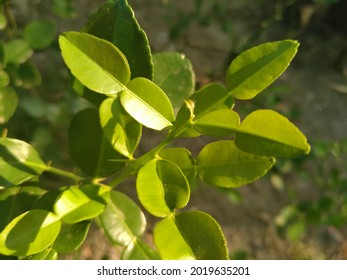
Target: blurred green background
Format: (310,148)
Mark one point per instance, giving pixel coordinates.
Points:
(299,210)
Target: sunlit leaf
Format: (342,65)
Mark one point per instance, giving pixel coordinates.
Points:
(4,79)
(255,69)
(174,74)
(19,162)
(147,104)
(139,250)
(47,254)
(266,132)
(120,129)
(192,235)
(97,63)
(116,23)
(29,233)
(8,103)
(217,123)
(222,164)
(122,220)
(78,204)
(162,187)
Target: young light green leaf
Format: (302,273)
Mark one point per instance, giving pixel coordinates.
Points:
(96,63)
(183,159)
(122,220)
(8,103)
(40,33)
(162,187)
(255,69)
(222,164)
(4,79)
(121,130)
(139,250)
(19,162)
(217,123)
(47,254)
(266,132)
(183,125)
(147,104)
(71,237)
(29,233)
(79,204)
(174,74)
(211,98)
(88,146)
(18,51)
(191,235)
(116,23)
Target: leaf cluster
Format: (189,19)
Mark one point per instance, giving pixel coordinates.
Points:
(128,87)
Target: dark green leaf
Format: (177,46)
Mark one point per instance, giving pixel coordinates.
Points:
(8,103)
(97,63)
(19,162)
(265,132)
(192,235)
(89,148)
(122,220)
(173,73)
(223,164)
(26,75)
(255,69)
(116,23)
(162,187)
(40,33)
(29,233)
(78,204)
(71,237)
(121,130)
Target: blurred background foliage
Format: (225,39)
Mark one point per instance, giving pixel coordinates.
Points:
(37,102)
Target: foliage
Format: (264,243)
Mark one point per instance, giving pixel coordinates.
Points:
(129,88)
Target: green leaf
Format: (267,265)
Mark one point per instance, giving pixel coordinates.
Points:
(162,187)
(183,125)
(47,254)
(4,79)
(96,63)
(19,162)
(17,200)
(173,73)
(211,98)
(89,148)
(183,159)
(266,132)
(147,104)
(3,54)
(139,250)
(222,164)
(40,33)
(26,75)
(18,51)
(192,235)
(116,23)
(29,233)
(8,103)
(71,237)
(255,69)
(217,123)
(122,220)
(78,204)
(120,129)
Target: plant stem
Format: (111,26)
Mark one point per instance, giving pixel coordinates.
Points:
(63,173)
